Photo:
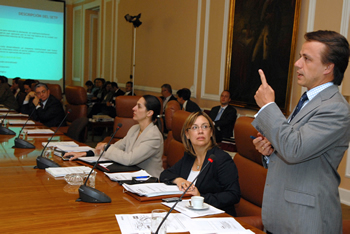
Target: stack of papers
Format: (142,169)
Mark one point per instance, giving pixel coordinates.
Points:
(141,223)
(120,176)
(15,121)
(103,118)
(93,159)
(61,143)
(62,171)
(16,115)
(40,131)
(152,189)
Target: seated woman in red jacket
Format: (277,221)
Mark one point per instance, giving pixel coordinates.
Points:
(218,183)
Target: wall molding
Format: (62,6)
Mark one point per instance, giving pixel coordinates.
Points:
(196,56)
(344,195)
(204,95)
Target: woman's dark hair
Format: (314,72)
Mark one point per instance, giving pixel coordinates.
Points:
(153,103)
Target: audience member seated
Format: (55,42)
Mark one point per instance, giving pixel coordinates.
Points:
(15,87)
(99,93)
(143,144)
(89,86)
(107,106)
(128,89)
(27,84)
(224,117)
(6,95)
(47,109)
(167,95)
(218,183)
(183,97)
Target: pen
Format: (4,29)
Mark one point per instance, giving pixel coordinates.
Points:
(253,137)
(141,177)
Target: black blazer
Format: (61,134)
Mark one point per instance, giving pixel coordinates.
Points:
(224,126)
(218,183)
(51,115)
(192,106)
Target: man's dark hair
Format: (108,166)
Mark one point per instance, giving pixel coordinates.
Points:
(29,82)
(167,87)
(89,83)
(184,93)
(101,79)
(3,79)
(132,84)
(115,85)
(337,51)
(16,80)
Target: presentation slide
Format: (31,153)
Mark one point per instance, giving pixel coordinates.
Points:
(32,43)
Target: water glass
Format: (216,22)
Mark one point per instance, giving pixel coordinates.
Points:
(49,151)
(157,217)
(92,179)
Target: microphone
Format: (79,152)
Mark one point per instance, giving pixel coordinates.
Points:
(92,195)
(210,160)
(41,162)
(4,130)
(23,144)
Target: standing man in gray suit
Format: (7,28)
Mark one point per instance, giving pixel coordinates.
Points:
(303,152)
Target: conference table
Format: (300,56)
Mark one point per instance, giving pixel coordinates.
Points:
(33,201)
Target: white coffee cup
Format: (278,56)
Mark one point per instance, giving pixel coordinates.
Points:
(197,202)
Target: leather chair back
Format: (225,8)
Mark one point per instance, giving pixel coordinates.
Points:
(76,101)
(55,90)
(244,144)
(123,106)
(173,148)
(251,173)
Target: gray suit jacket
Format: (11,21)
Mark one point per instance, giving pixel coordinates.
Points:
(145,151)
(301,190)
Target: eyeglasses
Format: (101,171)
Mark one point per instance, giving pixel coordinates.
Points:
(204,127)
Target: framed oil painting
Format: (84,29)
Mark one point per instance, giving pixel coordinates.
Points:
(262,35)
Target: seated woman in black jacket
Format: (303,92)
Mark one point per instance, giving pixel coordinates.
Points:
(218,183)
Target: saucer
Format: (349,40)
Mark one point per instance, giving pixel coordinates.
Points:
(204,207)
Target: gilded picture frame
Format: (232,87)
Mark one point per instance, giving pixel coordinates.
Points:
(262,35)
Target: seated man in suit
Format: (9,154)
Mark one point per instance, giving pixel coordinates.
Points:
(6,95)
(224,117)
(128,89)
(99,93)
(183,97)
(167,95)
(47,109)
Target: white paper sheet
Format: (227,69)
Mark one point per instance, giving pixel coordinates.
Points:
(216,225)
(141,223)
(40,131)
(181,207)
(15,121)
(61,143)
(93,159)
(62,171)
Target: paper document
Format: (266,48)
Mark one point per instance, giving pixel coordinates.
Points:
(40,131)
(61,143)
(4,109)
(16,115)
(62,171)
(181,207)
(216,225)
(94,159)
(152,189)
(141,223)
(16,121)
(74,148)
(120,176)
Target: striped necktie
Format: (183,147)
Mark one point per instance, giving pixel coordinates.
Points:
(219,114)
(300,105)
